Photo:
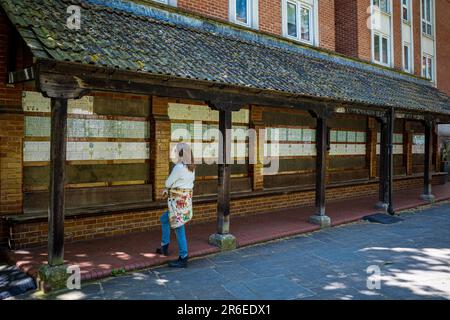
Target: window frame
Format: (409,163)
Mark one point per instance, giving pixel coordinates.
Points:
(408,9)
(429,59)
(376,4)
(388,41)
(249,14)
(252,13)
(424,20)
(313,26)
(410,60)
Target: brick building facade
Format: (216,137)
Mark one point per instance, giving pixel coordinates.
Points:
(120,192)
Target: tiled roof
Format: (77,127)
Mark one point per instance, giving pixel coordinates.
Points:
(125,35)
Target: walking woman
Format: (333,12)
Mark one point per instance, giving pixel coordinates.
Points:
(179,187)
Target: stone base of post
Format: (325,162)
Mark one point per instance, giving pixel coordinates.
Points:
(427,197)
(382,206)
(224,241)
(322,221)
(52,278)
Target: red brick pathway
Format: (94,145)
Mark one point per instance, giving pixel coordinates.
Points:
(97,258)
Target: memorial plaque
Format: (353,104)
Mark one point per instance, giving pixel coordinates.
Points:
(351,136)
(361,137)
(419,139)
(36,102)
(333,136)
(342,136)
(295,134)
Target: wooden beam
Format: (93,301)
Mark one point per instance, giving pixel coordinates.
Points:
(57,176)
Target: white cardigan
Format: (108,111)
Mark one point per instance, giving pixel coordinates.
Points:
(180,177)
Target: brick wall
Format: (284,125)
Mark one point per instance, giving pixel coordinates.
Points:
(11,121)
(417,36)
(353,38)
(160,137)
(216,9)
(443,45)
(397,33)
(327,24)
(84,228)
(270,16)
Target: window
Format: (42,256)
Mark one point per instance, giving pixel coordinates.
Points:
(298,20)
(244,12)
(428,67)
(407,57)
(381,50)
(406,10)
(427,17)
(383,5)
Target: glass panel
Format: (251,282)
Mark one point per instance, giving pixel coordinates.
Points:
(306,24)
(405,13)
(423,9)
(385,50)
(430,68)
(292,19)
(429,29)
(384,5)
(241,11)
(406,57)
(424,66)
(428,10)
(376,42)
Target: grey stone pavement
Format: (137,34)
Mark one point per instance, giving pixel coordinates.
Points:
(413,257)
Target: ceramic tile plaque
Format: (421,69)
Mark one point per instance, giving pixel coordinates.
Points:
(351,136)
(342,136)
(295,134)
(398,149)
(360,137)
(419,139)
(180,111)
(333,136)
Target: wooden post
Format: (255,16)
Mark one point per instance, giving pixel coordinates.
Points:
(320,217)
(223,239)
(57,174)
(427,195)
(390,162)
(408,149)
(382,203)
(371,146)
(224,183)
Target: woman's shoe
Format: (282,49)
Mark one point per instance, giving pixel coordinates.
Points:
(164,250)
(180,263)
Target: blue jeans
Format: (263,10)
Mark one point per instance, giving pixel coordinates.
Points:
(180,233)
